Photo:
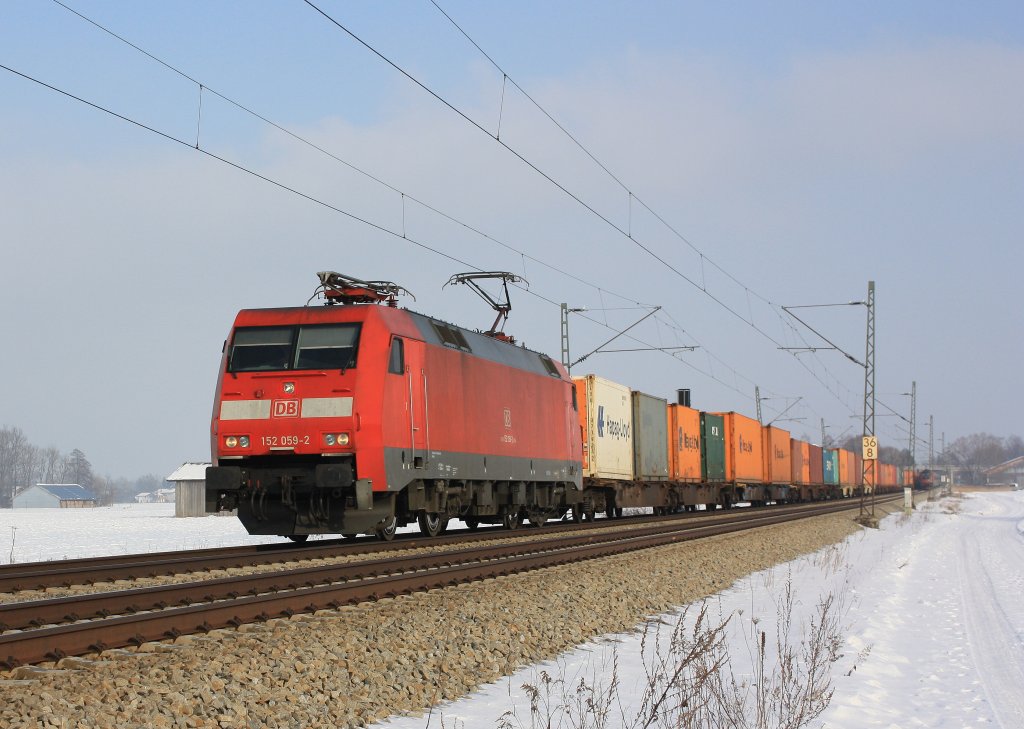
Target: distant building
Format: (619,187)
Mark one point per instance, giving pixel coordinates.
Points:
(189,489)
(54,496)
(144,498)
(1011,471)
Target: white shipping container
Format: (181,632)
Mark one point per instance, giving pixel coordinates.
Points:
(607,416)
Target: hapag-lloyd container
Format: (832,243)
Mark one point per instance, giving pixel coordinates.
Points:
(606,417)
(815,461)
(650,435)
(744,456)
(684,444)
(778,456)
(800,461)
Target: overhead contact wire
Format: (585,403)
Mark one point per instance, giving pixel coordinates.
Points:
(202,87)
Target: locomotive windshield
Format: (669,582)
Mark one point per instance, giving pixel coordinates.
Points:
(324,347)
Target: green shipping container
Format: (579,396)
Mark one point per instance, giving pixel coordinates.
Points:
(830,465)
(712,448)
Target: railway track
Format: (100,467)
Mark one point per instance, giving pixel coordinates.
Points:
(48,630)
(66,573)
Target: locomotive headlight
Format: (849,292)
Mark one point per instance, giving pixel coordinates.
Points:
(231,441)
(243,441)
(329,439)
(289,387)
(343,439)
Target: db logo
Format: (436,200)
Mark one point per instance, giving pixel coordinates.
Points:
(285,409)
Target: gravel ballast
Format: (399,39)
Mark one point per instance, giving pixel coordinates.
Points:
(360,664)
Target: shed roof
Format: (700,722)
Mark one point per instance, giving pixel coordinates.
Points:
(189,471)
(68,491)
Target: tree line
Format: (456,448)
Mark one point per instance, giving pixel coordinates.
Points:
(974,453)
(23,464)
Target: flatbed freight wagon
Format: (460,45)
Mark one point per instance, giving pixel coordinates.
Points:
(696,445)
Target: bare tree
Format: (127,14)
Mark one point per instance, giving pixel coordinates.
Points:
(13,444)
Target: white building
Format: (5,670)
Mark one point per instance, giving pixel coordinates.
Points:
(54,496)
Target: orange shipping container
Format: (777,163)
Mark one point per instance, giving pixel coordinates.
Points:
(778,458)
(683,444)
(800,460)
(847,468)
(744,458)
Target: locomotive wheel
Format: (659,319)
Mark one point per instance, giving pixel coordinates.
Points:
(386,528)
(431,524)
(299,538)
(538,520)
(577,513)
(512,521)
(472,523)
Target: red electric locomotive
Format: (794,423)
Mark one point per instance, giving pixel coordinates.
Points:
(360,417)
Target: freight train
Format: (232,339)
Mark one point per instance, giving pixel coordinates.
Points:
(360,417)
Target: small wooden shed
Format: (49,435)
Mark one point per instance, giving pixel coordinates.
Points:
(189,482)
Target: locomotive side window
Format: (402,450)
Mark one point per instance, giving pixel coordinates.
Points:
(396,360)
(451,337)
(549,366)
(261,348)
(327,347)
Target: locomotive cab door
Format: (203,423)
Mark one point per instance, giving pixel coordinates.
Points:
(417,413)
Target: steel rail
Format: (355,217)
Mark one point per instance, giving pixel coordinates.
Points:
(36,613)
(41,575)
(47,644)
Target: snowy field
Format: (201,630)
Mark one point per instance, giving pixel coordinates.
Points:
(930,615)
(34,535)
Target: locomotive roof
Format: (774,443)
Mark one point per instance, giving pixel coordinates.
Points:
(431,329)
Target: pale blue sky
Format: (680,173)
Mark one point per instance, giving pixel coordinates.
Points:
(806,147)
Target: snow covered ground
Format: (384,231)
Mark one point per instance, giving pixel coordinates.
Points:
(931,606)
(34,535)
(932,618)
